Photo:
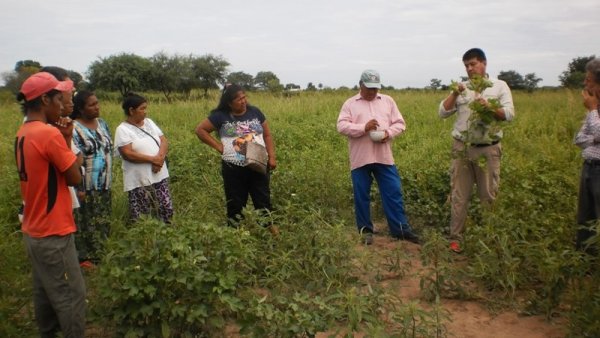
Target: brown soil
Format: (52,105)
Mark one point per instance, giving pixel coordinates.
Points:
(468,319)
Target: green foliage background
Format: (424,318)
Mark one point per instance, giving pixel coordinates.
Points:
(523,246)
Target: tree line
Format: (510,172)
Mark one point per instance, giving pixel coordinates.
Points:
(168,74)
(181,74)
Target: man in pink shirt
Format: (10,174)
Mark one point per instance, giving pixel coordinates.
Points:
(371,156)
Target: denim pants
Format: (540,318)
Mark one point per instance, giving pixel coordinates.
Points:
(588,208)
(390,188)
(241,182)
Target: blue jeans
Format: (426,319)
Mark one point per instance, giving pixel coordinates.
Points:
(390,188)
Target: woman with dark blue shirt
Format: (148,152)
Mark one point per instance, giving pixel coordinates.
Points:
(237,123)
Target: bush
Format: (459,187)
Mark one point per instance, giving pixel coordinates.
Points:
(172,280)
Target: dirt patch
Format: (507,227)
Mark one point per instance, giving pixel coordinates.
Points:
(468,319)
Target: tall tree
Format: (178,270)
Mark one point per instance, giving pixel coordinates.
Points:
(209,70)
(23,69)
(575,73)
(267,80)
(531,82)
(27,64)
(168,73)
(435,84)
(123,72)
(292,86)
(242,79)
(76,78)
(512,78)
(188,80)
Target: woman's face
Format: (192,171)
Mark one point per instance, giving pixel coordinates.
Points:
(91,109)
(138,114)
(239,103)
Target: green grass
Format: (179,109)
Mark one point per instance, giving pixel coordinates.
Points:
(530,232)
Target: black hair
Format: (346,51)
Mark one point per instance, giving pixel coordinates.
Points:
(36,103)
(59,73)
(132,100)
(476,53)
(229,94)
(79,102)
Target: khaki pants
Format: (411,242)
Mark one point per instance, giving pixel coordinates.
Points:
(473,165)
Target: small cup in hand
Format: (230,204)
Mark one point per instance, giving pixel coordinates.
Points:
(377,135)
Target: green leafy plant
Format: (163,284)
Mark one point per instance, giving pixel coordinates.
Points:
(413,321)
(16,310)
(159,280)
(440,278)
(482,121)
(583,316)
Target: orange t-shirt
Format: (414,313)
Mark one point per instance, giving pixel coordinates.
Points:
(42,156)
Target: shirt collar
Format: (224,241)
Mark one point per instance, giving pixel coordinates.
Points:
(360,98)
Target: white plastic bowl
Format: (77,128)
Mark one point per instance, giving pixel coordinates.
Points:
(377,135)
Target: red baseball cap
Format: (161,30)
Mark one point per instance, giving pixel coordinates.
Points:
(40,83)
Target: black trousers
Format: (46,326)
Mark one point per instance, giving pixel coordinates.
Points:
(588,209)
(241,182)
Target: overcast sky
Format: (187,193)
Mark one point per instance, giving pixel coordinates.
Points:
(321,41)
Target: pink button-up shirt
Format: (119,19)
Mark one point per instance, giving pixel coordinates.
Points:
(355,114)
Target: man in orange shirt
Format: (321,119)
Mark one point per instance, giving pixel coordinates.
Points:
(46,166)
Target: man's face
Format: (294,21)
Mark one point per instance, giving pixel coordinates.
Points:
(368,94)
(53,106)
(475,67)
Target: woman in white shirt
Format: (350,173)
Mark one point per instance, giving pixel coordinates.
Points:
(143,147)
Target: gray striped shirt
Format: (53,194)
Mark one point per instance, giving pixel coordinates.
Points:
(589,132)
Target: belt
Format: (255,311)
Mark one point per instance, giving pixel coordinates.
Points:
(593,163)
(481,145)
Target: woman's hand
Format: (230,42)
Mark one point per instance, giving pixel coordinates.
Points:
(157,163)
(590,102)
(203,131)
(272,163)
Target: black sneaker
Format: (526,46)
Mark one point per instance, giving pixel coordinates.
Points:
(408,236)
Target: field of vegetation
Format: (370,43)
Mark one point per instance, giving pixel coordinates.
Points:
(198,278)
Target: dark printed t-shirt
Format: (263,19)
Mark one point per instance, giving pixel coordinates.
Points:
(236,131)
